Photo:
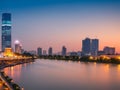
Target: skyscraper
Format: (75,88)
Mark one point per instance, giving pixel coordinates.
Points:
(64,51)
(50,51)
(18,47)
(86,46)
(94,47)
(6,31)
(39,51)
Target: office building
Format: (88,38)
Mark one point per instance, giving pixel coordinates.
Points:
(18,47)
(109,50)
(39,51)
(50,52)
(86,46)
(90,47)
(94,47)
(64,51)
(6,31)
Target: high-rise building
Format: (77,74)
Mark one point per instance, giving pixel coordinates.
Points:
(86,46)
(109,50)
(6,31)
(94,47)
(18,47)
(50,52)
(39,51)
(64,51)
(90,47)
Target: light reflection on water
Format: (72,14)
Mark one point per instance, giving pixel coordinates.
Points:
(62,75)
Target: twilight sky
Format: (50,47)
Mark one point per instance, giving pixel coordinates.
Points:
(44,23)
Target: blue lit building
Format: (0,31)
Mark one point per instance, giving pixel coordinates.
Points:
(6,31)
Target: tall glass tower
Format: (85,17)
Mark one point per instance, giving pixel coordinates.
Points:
(6,31)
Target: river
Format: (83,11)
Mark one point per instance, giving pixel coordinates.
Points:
(61,75)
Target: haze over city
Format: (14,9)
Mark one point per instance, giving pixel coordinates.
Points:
(56,23)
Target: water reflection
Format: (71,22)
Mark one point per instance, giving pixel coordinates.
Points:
(61,75)
(14,71)
(1,86)
(106,68)
(118,68)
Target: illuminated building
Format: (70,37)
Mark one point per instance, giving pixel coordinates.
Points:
(18,47)
(50,51)
(64,51)
(8,52)
(6,31)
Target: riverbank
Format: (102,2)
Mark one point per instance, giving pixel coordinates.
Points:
(7,81)
(102,59)
(9,63)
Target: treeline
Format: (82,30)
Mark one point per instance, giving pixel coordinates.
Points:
(82,59)
(59,57)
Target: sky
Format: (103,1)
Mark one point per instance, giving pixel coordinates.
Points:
(45,23)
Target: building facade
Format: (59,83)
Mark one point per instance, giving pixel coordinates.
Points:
(6,31)
(90,47)
(18,47)
(94,47)
(64,51)
(50,51)
(86,46)
(109,50)
(39,51)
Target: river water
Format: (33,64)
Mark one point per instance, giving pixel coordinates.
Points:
(61,75)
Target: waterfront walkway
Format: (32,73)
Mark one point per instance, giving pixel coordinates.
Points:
(9,87)
(5,80)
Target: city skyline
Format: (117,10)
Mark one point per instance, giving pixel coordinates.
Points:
(55,23)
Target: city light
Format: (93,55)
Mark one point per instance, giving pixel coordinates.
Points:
(17,42)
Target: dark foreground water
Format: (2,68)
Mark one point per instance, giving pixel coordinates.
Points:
(61,75)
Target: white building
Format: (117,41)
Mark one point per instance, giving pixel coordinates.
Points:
(18,47)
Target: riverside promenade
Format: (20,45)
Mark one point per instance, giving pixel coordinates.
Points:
(6,82)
